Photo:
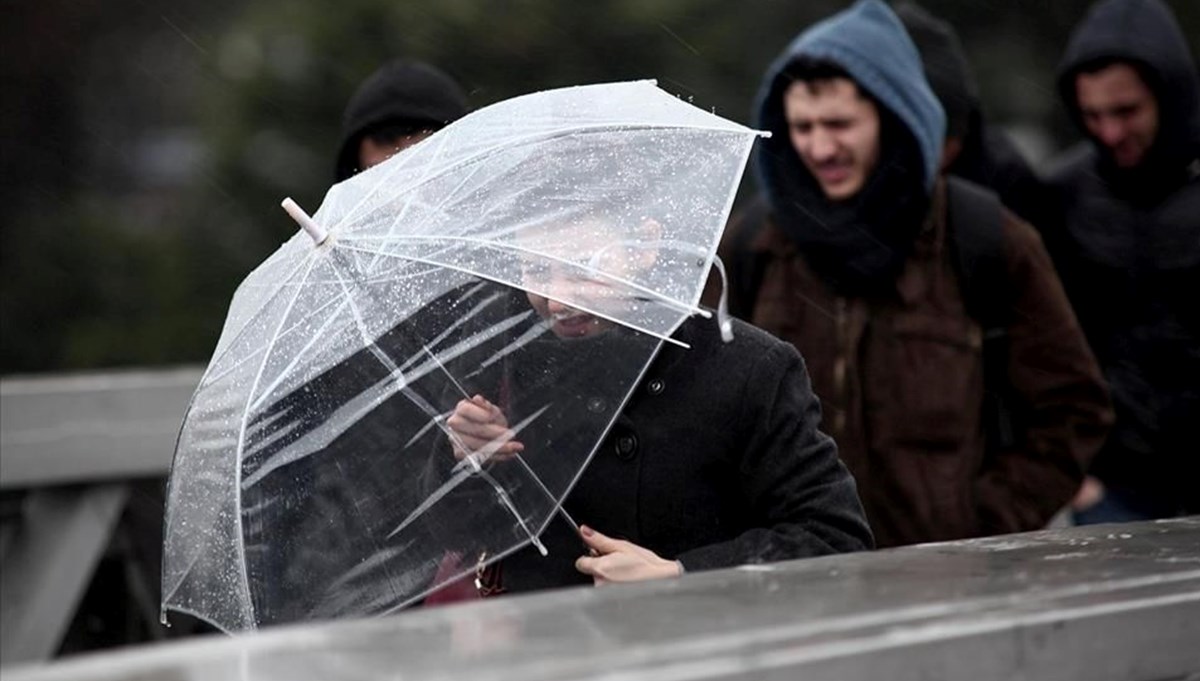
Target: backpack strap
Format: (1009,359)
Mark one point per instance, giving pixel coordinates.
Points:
(976,228)
(976,222)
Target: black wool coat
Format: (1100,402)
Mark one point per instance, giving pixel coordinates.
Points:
(717,460)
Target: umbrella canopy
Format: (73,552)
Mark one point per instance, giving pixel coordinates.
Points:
(534,253)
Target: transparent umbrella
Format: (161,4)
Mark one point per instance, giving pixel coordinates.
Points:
(534,254)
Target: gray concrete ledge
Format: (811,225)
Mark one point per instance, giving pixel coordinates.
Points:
(1098,603)
(87,428)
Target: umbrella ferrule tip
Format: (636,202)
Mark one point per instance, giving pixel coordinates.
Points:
(317,232)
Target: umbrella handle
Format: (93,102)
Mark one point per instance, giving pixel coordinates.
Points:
(723,318)
(317,232)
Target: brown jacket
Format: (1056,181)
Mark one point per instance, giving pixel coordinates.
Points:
(901,383)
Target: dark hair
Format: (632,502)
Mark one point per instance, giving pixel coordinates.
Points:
(390,131)
(1093,66)
(816,72)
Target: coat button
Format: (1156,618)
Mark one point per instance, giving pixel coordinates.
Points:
(656,386)
(626,446)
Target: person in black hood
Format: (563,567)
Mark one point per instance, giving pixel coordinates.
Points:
(400,104)
(973,150)
(1126,240)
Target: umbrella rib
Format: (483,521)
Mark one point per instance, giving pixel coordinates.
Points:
(488,152)
(472,342)
(391,365)
(385,179)
(636,327)
(506,502)
(252,355)
(542,486)
(438,207)
(666,300)
(241,555)
(473,312)
(279,287)
(317,335)
(531,333)
(468,466)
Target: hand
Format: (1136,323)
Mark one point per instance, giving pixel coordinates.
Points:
(616,560)
(1089,494)
(478,426)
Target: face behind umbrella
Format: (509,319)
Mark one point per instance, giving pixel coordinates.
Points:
(577,268)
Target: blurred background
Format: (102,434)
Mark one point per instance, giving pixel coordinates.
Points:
(147,146)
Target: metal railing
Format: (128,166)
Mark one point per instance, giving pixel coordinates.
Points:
(69,447)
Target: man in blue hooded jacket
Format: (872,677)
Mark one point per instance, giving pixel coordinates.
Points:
(852,257)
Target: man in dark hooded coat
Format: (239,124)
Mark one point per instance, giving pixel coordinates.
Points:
(1127,244)
(398,105)
(974,150)
(852,260)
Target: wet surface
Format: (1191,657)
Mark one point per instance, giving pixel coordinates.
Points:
(1106,601)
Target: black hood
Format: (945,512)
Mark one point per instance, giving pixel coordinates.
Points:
(1145,34)
(946,66)
(402,93)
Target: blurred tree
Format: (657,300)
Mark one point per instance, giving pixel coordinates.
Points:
(149,144)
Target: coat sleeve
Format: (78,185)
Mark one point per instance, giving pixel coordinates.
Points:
(1053,373)
(803,501)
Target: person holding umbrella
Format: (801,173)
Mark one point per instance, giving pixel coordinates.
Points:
(510,257)
(717,459)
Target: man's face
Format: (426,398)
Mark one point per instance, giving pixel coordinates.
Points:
(372,153)
(835,130)
(1120,111)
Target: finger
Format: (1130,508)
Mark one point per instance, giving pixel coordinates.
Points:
(598,567)
(493,412)
(586,565)
(482,436)
(499,450)
(479,428)
(469,410)
(599,542)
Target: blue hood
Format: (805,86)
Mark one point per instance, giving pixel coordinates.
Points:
(870,43)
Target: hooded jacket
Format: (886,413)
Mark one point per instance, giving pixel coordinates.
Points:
(988,157)
(860,244)
(1145,34)
(402,92)
(1127,244)
(899,367)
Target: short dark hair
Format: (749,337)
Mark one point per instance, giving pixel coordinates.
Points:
(1094,66)
(394,129)
(816,72)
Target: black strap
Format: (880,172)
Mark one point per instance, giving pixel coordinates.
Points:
(976,224)
(976,228)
